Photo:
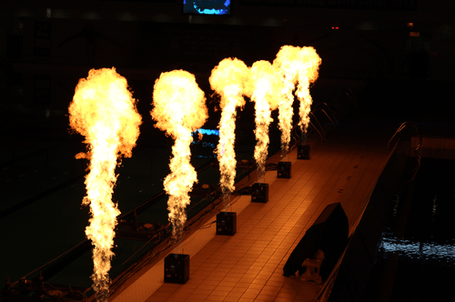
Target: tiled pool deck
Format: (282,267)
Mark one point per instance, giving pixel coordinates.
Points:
(248,266)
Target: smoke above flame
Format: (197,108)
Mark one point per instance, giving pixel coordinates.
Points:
(179,109)
(228,79)
(266,91)
(298,66)
(103,111)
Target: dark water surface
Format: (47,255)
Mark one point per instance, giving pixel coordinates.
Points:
(416,258)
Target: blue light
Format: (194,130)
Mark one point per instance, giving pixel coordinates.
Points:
(211,11)
(217,7)
(207,131)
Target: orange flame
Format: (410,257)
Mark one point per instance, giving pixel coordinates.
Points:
(179,109)
(104,111)
(288,64)
(228,79)
(266,90)
(307,76)
(298,66)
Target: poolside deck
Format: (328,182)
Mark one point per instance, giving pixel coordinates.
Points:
(248,266)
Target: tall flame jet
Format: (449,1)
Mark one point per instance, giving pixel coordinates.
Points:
(308,75)
(265,89)
(297,67)
(179,109)
(228,79)
(103,111)
(287,63)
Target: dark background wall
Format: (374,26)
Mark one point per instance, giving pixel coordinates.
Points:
(46,46)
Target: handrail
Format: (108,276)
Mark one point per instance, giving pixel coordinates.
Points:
(331,117)
(323,136)
(419,145)
(331,120)
(414,171)
(403,126)
(351,97)
(371,75)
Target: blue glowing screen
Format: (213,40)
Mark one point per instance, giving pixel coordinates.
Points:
(207,132)
(205,142)
(207,7)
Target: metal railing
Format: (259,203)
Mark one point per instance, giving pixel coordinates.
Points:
(396,138)
(350,95)
(401,128)
(330,116)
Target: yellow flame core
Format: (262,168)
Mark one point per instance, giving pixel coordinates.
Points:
(308,75)
(288,64)
(104,111)
(298,66)
(179,109)
(228,79)
(265,92)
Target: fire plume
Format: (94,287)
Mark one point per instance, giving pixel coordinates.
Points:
(288,64)
(265,91)
(297,67)
(179,109)
(228,79)
(307,76)
(103,111)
